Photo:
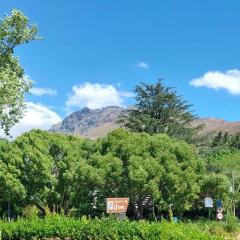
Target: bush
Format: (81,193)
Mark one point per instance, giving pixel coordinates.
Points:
(231,223)
(69,228)
(31,212)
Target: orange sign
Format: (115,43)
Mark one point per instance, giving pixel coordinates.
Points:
(117,205)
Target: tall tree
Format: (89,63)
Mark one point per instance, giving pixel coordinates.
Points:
(12,191)
(159,109)
(158,166)
(14,30)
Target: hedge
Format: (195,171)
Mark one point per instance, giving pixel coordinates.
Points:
(69,228)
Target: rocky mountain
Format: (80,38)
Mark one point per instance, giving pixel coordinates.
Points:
(90,123)
(97,123)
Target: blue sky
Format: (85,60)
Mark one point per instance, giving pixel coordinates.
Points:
(100,49)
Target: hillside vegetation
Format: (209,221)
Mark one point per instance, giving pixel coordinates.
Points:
(75,175)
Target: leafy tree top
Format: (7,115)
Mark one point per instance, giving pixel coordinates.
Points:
(14,30)
(159,109)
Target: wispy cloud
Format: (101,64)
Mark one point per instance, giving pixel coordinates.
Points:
(142,65)
(39,91)
(95,95)
(229,80)
(43,91)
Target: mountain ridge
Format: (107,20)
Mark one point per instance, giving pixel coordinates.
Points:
(95,123)
(90,123)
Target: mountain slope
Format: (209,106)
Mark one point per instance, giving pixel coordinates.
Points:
(98,123)
(215,125)
(90,123)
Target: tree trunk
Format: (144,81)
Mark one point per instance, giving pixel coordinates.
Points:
(140,208)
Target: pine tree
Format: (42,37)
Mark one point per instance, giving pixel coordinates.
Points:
(159,109)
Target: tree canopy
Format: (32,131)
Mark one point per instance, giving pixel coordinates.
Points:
(159,109)
(14,31)
(76,175)
(62,173)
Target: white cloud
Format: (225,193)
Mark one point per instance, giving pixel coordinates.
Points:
(229,80)
(36,116)
(43,91)
(39,91)
(142,65)
(95,96)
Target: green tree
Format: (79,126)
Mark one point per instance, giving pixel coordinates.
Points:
(14,30)
(180,181)
(67,157)
(227,162)
(221,139)
(216,186)
(159,109)
(165,169)
(76,175)
(227,140)
(50,162)
(12,191)
(36,168)
(235,141)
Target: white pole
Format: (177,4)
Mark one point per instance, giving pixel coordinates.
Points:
(233,187)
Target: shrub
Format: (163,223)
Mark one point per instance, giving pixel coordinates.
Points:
(69,228)
(31,212)
(231,223)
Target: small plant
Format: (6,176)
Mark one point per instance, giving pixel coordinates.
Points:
(31,212)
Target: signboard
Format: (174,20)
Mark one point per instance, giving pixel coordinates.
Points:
(208,202)
(117,205)
(219,203)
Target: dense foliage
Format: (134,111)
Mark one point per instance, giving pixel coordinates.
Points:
(68,174)
(231,141)
(75,175)
(14,30)
(225,161)
(60,173)
(159,109)
(69,228)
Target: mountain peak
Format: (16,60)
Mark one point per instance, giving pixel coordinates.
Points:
(95,123)
(85,110)
(92,123)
